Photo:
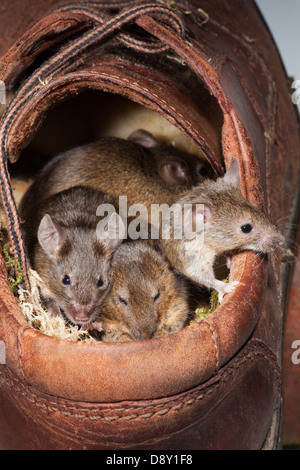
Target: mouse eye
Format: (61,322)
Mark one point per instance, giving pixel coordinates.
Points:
(122,301)
(246,228)
(100,283)
(156,297)
(66,281)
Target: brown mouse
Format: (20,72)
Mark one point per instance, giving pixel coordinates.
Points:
(224,209)
(218,219)
(140,168)
(176,168)
(147,299)
(72,252)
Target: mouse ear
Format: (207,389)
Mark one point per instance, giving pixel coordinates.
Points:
(172,172)
(50,235)
(195,217)
(143,138)
(232,175)
(111,230)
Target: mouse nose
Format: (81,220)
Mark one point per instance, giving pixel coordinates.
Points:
(81,312)
(144,332)
(270,241)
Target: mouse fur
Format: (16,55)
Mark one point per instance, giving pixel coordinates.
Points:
(146,300)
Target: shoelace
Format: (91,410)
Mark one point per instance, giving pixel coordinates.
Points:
(64,61)
(151,46)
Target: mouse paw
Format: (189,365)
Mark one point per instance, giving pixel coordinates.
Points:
(224,288)
(96,325)
(53,310)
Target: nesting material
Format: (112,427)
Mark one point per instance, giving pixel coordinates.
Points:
(202,313)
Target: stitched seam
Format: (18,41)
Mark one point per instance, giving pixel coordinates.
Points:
(128,84)
(191,132)
(66,410)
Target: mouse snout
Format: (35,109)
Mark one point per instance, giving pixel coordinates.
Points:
(269,241)
(81,312)
(143,334)
(143,330)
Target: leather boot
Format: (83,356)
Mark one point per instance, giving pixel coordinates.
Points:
(212,70)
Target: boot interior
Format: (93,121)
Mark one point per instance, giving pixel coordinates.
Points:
(93,114)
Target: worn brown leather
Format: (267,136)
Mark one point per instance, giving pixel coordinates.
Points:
(215,384)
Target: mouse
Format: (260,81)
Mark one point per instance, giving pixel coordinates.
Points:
(176,168)
(72,251)
(223,206)
(147,298)
(215,219)
(138,167)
